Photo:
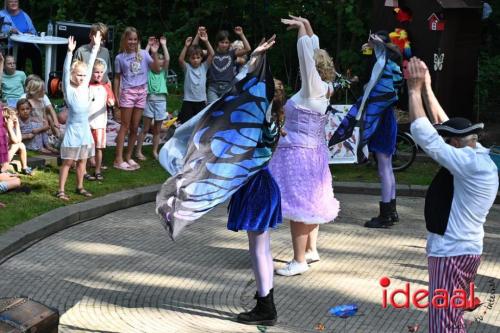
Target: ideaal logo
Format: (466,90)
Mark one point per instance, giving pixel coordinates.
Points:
(419,298)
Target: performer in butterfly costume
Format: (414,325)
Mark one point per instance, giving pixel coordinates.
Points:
(374,114)
(230,144)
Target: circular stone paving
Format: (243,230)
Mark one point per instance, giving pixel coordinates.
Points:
(122,273)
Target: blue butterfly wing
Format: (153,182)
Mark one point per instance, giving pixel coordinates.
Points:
(231,142)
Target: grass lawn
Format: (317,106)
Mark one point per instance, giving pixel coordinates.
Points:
(44,184)
(419,173)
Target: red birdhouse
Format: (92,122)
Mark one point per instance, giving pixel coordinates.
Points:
(435,24)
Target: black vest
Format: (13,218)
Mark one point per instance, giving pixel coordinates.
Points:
(438,202)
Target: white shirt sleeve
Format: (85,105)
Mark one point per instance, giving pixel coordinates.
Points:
(312,85)
(459,161)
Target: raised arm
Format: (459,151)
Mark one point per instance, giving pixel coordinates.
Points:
(166,55)
(67,64)
(307,24)
(415,82)
(182,56)
(436,112)
(246,46)
(93,55)
(200,30)
(211,52)
(151,41)
(312,86)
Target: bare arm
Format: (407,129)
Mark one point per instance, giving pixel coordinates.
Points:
(1,65)
(116,88)
(436,112)
(415,81)
(196,39)
(11,130)
(294,24)
(182,56)
(211,52)
(166,55)
(307,24)
(49,110)
(246,45)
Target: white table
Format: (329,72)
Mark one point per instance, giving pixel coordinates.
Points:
(50,43)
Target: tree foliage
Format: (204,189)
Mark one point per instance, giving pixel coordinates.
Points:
(342,25)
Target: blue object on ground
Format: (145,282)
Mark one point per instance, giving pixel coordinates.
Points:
(345,310)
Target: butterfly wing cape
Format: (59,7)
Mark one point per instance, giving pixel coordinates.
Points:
(379,95)
(226,147)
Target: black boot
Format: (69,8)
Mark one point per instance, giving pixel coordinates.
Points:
(394,212)
(264,313)
(383,220)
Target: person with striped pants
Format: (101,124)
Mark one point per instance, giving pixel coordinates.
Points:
(458,199)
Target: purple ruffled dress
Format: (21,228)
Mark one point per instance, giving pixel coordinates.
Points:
(300,167)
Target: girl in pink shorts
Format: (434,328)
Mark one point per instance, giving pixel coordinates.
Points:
(130,87)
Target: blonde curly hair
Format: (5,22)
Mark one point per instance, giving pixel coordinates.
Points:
(324,65)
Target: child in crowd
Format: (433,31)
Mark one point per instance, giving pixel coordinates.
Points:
(222,69)
(16,140)
(101,96)
(4,146)
(156,104)
(239,62)
(130,87)
(42,108)
(195,75)
(12,82)
(77,144)
(84,51)
(34,134)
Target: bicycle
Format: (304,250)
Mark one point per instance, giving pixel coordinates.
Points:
(406,147)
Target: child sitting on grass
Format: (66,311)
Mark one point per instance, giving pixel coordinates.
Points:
(35,135)
(41,106)
(16,144)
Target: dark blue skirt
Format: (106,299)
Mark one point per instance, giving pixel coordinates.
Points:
(256,206)
(383,139)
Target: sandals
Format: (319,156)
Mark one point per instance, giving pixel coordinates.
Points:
(140,157)
(89,177)
(84,192)
(28,171)
(61,195)
(123,166)
(98,176)
(133,164)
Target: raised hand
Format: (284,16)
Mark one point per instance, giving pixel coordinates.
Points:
(238,30)
(97,38)
(71,44)
(201,29)
(292,24)
(155,46)
(417,71)
(188,41)
(151,41)
(264,45)
(1,58)
(203,36)
(163,40)
(299,18)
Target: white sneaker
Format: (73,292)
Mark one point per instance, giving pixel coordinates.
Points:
(312,256)
(293,268)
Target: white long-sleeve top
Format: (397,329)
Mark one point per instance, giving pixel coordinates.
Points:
(313,92)
(475,182)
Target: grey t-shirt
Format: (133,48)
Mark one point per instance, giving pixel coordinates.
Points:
(195,83)
(83,54)
(222,68)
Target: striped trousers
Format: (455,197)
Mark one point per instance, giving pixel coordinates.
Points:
(450,273)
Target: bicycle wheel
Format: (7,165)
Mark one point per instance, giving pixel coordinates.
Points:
(406,151)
